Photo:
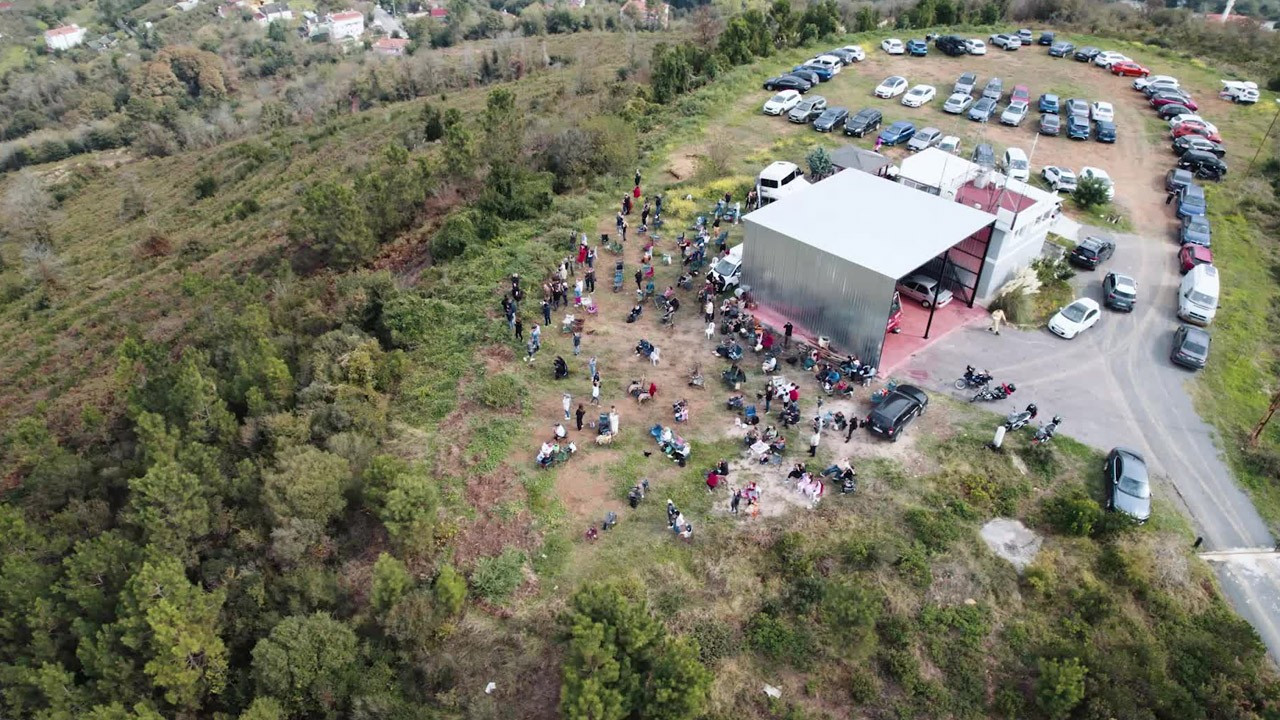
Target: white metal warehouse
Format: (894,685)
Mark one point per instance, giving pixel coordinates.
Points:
(827,258)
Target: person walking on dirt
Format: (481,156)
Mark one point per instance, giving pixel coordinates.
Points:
(591,367)
(735,500)
(535,336)
(567,402)
(814,439)
(997,318)
(709,310)
(579,415)
(595,391)
(786,334)
(639,277)
(546,312)
(644,215)
(519,328)
(577,343)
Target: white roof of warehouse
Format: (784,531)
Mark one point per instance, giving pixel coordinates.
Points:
(872,222)
(940,169)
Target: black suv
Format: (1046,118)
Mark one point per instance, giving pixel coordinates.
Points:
(1203,165)
(867,120)
(952,45)
(1086,53)
(1091,252)
(902,405)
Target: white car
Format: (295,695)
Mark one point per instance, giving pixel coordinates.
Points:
(1142,82)
(1102,111)
(974,46)
(1107,58)
(782,102)
(856,50)
(919,95)
(1006,41)
(830,63)
(1014,114)
(1186,117)
(950,144)
(893,46)
(1075,318)
(1100,174)
(1059,179)
(1016,165)
(893,86)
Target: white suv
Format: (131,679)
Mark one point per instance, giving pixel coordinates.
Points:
(1008,42)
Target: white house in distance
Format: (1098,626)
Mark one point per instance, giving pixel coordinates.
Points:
(346,24)
(273,12)
(1024,213)
(64,38)
(393,47)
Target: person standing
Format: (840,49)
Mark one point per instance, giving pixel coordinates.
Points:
(567,402)
(546,312)
(639,277)
(637,182)
(644,214)
(535,337)
(657,206)
(768,399)
(591,367)
(614,420)
(590,280)
(814,439)
(786,334)
(595,391)
(579,415)
(519,328)
(619,220)
(853,425)
(709,310)
(997,318)
(735,500)
(577,342)
(624,230)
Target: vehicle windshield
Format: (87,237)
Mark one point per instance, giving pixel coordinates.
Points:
(1018,164)
(1193,347)
(780,98)
(769,183)
(1194,201)
(1073,312)
(1135,487)
(1123,291)
(725,267)
(1201,299)
(804,106)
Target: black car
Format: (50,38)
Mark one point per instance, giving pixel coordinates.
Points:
(1091,252)
(1169,112)
(952,45)
(1061,49)
(867,120)
(1086,53)
(1198,143)
(1203,165)
(1119,292)
(788,82)
(830,119)
(902,405)
(1190,347)
(1104,131)
(809,76)
(1046,38)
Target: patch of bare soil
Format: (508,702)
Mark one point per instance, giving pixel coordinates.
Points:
(683,163)
(494,530)
(1013,541)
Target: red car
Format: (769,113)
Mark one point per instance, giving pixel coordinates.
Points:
(1020,92)
(1129,69)
(1195,128)
(1192,255)
(1160,101)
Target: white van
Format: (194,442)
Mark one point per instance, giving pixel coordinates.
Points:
(779,180)
(1198,295)
(1016,164)
(830,63)
(727,271)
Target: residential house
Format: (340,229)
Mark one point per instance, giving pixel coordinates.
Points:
(64,38)
(1024,213)
(345,24)
(231,8)
(651,15)
(273,12)
(6,6)
(104,43)
(393,47)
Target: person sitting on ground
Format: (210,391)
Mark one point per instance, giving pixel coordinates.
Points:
(634,314)
(559,431)
(797,472)
(769,365)
(669,293)
(545,453)
(713,480)
(561,368)
(722,468)
(751,438)
(769,434)
(687,532)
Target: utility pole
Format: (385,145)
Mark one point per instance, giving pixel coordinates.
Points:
(1262,424)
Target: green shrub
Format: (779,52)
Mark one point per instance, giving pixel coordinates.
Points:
(501,391)
(864,686)
(1016,304)
(1059,686)
(913,563)
(935,529)
(848,608)
(894,631)
(859,553)
(716,639)
(902,666)
(1071,513)
(780,640)
(496,577)
(1090,192)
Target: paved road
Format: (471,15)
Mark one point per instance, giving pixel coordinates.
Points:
(1114,385)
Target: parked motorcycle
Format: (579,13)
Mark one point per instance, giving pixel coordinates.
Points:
(1019,420)
(973,379)
(998,392)
(1046,432)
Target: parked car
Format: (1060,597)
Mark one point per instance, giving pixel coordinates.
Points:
(782,102)
(824,71)
(788,82)
(809,75)
(1020,93)
(1070,321)
(965,83)
(897,133)
(1076,106)
(856,51)
(1195,129)
(1119,291)
(925,138)
(893,86)
(1025,36)
(866,120)
(1107,58)
(1061,49)
(1191,202)
(952,45)
(1014,114)
(1046,38)
(1005,41)
(975,46)
(1128,68)
(1240,92)
(1190,256)
(1176,179)
(984,155)
(828,63)
(1191,117)
(893,46)
(1086,53)
(1077,127)
(950,144)
(1099,174)
(1102,111)
(1195,230)
(1172,110)
(1016,165)
(1196,142)
(1143,82)
(1104,131)
(917,48)
(1158,88)
(924,289)
(899,408)
(808,109)
(919,95)
(1050,124)
(1128,485)
(1091,252)
(1190,347)
(957,103)
(1166,98)
(848,57)
(994,89)
(1049,103)
(830,119)
(1059,179)
(981,110)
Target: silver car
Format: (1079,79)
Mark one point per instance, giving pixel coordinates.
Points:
(926,138)
(957,103)
(1128,485)
(923,289)
(1077,107)
(981,110)
(1014,114)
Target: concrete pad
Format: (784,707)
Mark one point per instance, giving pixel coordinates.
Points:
(900,348)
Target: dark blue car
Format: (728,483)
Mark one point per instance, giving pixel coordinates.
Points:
(1049,103)
(1077,128)
(897,133)
(918,48)
(1191,202)
(1195,231)
(1104,131)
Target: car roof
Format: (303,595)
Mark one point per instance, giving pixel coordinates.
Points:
(929,131)
(1122,280)
(1193,190)
(973,75)
(1049,96)
(900,125)
(1092,242)
(1139,463)
(1085,302)
(1105,124)
(1196,333)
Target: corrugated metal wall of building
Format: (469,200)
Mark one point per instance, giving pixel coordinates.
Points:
(820,294)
